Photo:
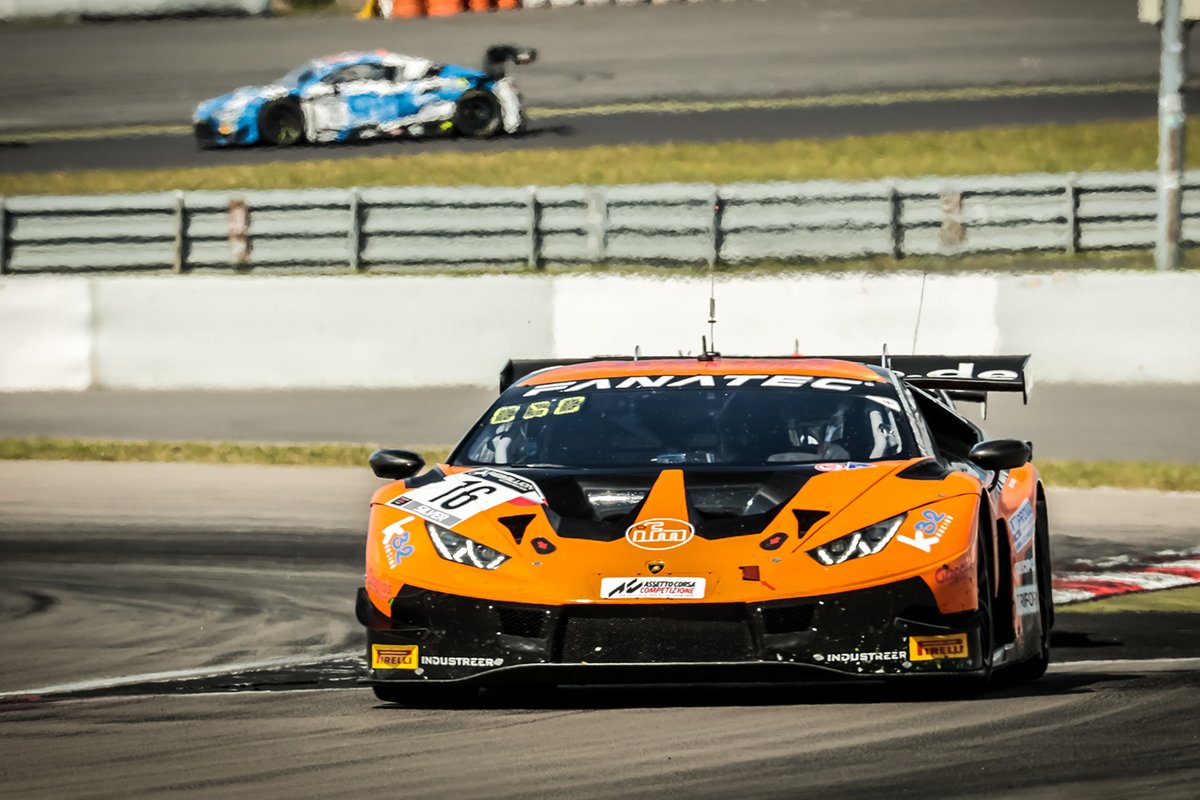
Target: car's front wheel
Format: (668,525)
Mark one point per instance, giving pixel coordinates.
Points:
(281,123)
(1035,667)
(477,114)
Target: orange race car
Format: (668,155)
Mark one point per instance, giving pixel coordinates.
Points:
(713,518)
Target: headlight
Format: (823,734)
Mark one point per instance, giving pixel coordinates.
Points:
(870,539)
(461,550)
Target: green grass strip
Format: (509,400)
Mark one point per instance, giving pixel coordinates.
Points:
(1185,600)
(1087,147)
(1075,474)
(305,455)
(1165,477)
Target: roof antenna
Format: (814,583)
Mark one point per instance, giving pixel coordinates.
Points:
(920,307)
(708,344)
(885,360)
(637,352)
(712,308)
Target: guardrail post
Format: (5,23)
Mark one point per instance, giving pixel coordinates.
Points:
(535,230)
(597,217)
(715,232)
(1072,197)
(239,232)
(896,222)
(953,233)
(4,250)
(354,238)
(179,264)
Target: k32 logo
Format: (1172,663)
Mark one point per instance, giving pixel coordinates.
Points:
(927,531)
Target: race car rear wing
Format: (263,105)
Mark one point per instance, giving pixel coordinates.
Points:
(967,378)
(961,377)
(498,55)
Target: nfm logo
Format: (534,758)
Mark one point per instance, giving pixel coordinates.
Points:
(663,533)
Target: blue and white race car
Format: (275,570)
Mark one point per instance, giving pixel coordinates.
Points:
(369,95)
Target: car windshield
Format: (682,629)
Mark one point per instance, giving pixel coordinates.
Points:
(732,420)
(301,74)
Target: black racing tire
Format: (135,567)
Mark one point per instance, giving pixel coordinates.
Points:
(281,123)
(1035,667)
(966,686)
(423,695)
(477,114)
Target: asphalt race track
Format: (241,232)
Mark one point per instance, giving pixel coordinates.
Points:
(221,597)
(549,130)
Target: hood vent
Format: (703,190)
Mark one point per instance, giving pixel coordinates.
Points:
(806,518)
(719,504)
(516,525)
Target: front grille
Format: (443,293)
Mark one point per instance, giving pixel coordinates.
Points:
(787,619)
(655,634)
(527,622)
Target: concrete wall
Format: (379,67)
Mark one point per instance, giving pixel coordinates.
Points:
(246,332)
(28,9)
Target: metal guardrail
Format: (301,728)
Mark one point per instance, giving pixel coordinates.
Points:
(389,228)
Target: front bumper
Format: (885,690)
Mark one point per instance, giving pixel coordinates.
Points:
(885,631)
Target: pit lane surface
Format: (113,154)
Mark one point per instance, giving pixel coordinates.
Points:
(128,570)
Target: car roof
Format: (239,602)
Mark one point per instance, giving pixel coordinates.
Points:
(817,367)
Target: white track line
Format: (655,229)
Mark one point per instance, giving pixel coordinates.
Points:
(181,674)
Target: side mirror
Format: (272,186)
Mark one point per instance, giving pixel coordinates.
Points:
(998,454)
(395,464)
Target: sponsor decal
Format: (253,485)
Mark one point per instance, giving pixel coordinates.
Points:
(1024,567)
(1027,601)
(860,658)
(662,533)
(394,656)
(928,531)
(395,542)
(540,408)
(843,467)
(952,573)
(966,370)
(460,661)
(1022,524)
(657,588)
(934,648)
(700,381)
(463,495)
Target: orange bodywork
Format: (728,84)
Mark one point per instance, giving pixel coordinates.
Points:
(936,541)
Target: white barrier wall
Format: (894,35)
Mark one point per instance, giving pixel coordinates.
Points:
(1104,327)
(29,9)
(252,332)
(45,334)
(848,314)
(275,333)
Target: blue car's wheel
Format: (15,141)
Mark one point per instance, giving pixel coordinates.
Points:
(281,123)
(477,114)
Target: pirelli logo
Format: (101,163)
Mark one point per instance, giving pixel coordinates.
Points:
(394,656)
(931,648)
